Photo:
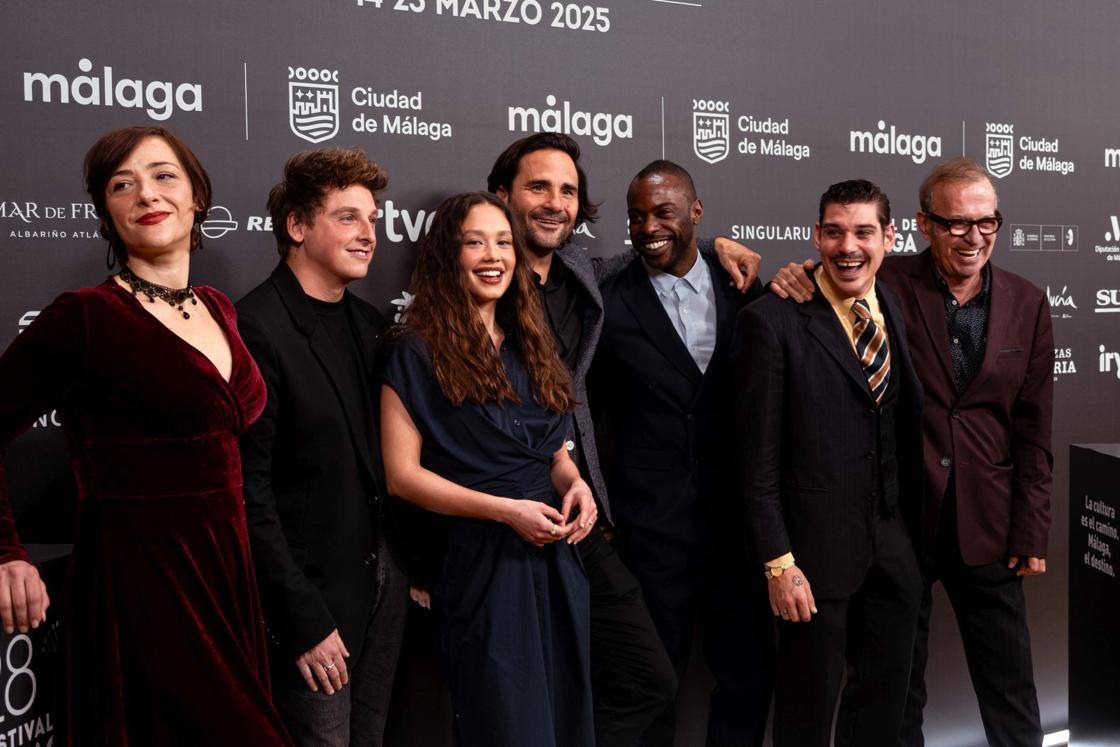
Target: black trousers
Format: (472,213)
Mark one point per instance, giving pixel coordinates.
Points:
(870,637)
(991,613)
(357,713)
(737,636)
(632,679)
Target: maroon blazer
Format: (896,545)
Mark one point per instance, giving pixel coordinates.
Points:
(995,437)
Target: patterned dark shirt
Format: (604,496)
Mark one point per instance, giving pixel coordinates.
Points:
(967,326)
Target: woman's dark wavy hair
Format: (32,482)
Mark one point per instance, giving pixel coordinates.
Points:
(444,315)
(109,152)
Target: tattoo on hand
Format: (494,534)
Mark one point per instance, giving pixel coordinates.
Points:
(797,581)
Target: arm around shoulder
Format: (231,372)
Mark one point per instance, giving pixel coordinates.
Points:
(606,268)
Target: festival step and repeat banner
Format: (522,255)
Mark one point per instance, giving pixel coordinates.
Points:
(765,103)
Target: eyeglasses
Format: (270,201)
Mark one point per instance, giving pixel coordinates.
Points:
(961,226)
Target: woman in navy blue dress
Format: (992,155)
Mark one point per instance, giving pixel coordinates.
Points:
(473,418)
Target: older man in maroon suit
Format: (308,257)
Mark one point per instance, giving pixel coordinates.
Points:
(983,347)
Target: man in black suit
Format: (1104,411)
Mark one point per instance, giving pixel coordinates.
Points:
(828,417)
(334,598)
(662,389)
(983,345)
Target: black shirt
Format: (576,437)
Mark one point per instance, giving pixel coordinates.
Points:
(340,328)
(967,326)
(565,306)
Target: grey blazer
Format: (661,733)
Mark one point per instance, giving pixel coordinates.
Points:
(589,272)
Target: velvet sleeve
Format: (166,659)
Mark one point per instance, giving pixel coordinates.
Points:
(39,368)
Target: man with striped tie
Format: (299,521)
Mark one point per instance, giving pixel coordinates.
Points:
(983,345)
(828,426)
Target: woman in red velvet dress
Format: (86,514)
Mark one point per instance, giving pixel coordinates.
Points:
(153,385)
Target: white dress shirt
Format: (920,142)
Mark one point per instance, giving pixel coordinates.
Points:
(690,302)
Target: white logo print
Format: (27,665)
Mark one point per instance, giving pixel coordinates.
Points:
(1059,300)
(711,130)
(218,223)
(157,98)
(999,149)
(402,304)
(583,230)
(889,141)
(1114,234)
(1106,360)
(313,103)
(1108,301)
(26,319)
(1063,362)
(600,126)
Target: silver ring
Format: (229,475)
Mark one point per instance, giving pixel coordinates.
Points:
(329,667)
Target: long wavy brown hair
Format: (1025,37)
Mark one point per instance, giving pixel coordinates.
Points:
(444,314)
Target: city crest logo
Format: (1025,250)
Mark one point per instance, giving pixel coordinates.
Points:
(999,149)
(711,130)
(313,103)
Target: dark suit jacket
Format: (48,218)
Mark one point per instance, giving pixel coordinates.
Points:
(669,424)
(995,437)
(589,272)
(312,485)
(808,433)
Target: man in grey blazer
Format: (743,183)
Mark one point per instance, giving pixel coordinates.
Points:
(541,180)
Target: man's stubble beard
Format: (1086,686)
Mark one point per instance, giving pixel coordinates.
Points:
(537,250)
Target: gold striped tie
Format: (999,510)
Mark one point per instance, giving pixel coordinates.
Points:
(872,349)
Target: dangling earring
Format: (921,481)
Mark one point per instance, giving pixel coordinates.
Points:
(196,232)
(110,253)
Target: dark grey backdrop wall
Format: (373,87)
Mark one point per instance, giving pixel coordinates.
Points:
(765,102)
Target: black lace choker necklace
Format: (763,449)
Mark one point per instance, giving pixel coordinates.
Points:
(175,297)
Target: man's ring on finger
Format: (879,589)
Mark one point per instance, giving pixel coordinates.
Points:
(329,667)
(552,530)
